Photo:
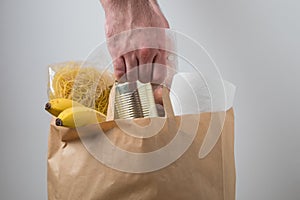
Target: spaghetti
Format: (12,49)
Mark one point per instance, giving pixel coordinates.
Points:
(86,85)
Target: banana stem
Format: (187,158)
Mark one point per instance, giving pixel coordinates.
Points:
(58,122)
(47,106)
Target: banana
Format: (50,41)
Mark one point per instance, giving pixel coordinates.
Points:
(56,106)
(79,116)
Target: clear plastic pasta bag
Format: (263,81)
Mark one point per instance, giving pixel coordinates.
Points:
(86,84)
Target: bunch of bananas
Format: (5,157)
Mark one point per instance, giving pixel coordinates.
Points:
(72,114)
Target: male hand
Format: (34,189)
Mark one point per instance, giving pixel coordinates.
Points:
(144,64)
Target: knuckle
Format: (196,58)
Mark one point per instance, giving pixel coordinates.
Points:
(130,56)
(146,53)
(119,68)
(119,74)
(133,57)
(119,64)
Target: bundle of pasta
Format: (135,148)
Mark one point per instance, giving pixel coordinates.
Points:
(86,85)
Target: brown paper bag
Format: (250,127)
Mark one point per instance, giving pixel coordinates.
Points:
(81,167)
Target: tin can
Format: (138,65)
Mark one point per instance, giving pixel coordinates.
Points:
(134,100)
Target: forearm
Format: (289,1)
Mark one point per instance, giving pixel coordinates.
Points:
(128,5)
(126,2)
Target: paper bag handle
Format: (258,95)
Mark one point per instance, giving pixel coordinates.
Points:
(169,112)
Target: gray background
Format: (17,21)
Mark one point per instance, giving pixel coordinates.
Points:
(255,44)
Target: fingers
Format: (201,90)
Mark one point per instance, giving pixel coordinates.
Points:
(131,63)
(159,71)
(145,65)
(125,68)
(146,58)
(120,69)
